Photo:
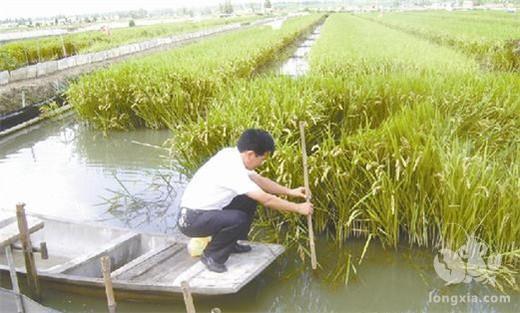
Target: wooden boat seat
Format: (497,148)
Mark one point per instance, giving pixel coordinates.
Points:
(143,266)
(120,249)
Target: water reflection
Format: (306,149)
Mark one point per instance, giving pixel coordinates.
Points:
(67,170)
(150,209)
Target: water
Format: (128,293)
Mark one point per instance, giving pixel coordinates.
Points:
(298,64)
(276,24)
(64,169)
(17,35)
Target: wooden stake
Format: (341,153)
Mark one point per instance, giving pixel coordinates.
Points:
(38,51)
(27,250)
(314,262)
(43,250)
(63,47)
(106,268)
(188,300)
(14,279)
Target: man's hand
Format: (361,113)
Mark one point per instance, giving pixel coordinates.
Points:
(297,192)
(272,201)
(305,208)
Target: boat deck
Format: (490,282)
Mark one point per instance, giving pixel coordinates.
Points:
(171,265)
(140,262)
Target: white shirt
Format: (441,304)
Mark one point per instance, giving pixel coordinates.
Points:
(218,181)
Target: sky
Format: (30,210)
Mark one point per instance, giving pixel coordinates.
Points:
(39,8)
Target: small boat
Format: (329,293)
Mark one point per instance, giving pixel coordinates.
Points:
(144,266)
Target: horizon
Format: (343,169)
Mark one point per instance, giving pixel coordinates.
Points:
(12,9)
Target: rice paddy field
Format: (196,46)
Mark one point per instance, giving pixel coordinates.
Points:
(490,37)
(21,53)
(413,129)
(165,89)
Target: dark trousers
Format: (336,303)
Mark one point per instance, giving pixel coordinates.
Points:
(226,226)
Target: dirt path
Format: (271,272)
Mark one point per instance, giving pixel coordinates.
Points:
(42,88)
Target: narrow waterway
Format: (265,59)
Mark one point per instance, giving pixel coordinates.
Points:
(298,64)
(64,169)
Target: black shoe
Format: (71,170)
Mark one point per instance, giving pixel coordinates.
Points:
(241,248)
(212,265)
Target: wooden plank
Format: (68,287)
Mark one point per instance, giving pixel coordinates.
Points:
(103,250)
(116,273)
(189,274)
(162,268)
(10,234)
(181,262)
(145,262)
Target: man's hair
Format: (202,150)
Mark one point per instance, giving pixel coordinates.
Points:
(257,140)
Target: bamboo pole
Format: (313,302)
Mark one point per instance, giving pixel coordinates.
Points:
(27,250)
(188,300)
(314,262)
(105,268)
(14,279)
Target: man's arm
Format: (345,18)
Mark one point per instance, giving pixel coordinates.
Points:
(272,187)
(273,202)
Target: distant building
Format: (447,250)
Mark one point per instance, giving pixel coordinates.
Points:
(8,25)
(468,5)
(448,6)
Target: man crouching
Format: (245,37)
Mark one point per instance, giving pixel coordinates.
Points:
(221,198)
